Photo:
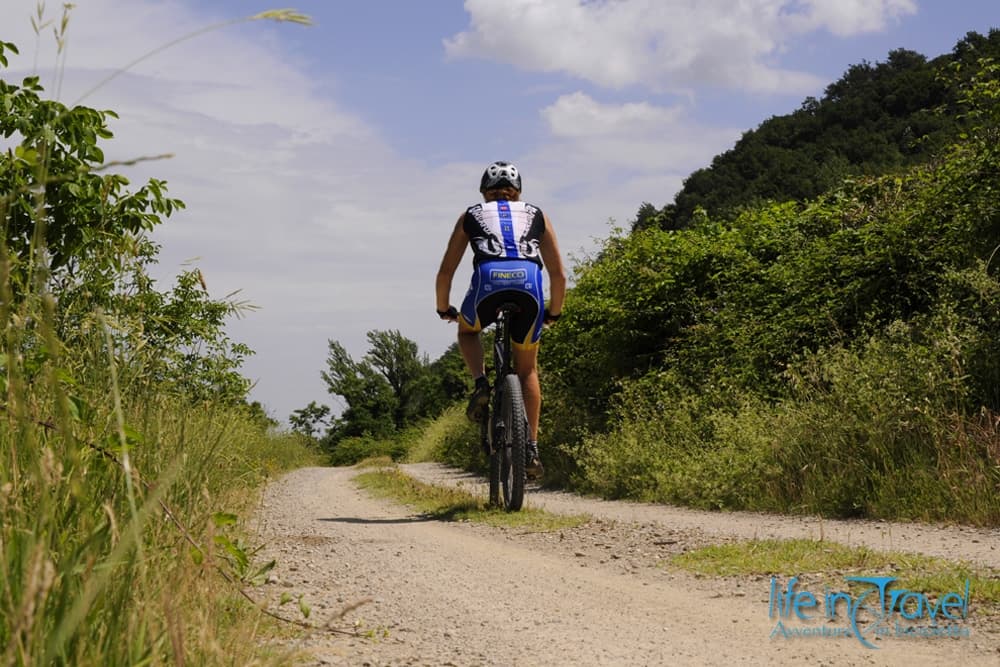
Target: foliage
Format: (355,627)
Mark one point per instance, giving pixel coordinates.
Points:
(81,216)
(456,441)
(353,449)
(125,433)
(310,420)
(370,402)
(80,235)
(438,435)
(389,390)
(837,355)
(875,119)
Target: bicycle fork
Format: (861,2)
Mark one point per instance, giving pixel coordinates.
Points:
(492,431)
(484,433)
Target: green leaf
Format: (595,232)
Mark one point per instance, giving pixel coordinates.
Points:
(222,519)
(240,559)
(132,436)
(285,598)
(63,375)
(303,607)
(74,410)
(27,155)
(197,555)
(260,575)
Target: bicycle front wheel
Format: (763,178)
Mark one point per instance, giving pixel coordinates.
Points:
(515,442)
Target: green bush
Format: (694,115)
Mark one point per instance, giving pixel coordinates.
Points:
(355,449)
(872,431)
(459,444)
(839,356)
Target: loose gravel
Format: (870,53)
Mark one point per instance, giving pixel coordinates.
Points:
(438,593)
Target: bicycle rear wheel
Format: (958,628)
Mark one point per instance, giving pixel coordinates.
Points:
(515,442)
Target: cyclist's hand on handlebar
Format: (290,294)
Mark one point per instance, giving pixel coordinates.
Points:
(451,315)
(550,318)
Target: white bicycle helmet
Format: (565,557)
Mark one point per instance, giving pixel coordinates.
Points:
(499,174)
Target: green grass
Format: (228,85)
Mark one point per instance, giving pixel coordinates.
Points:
(433,439)
(93,570)
(448,504)
(830,560)
(375,462)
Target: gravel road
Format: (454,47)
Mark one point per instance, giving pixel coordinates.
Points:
(465,594)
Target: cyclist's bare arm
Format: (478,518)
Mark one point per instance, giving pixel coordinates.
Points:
(554,266)
(457,244)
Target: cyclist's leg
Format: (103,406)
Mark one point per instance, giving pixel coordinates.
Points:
(471,346)
(470,324)
(525,359)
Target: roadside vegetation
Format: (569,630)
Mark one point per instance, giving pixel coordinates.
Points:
(832,562)
(836,356)
(450,504)
(128,448)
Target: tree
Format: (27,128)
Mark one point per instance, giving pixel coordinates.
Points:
(875,119)
(370,404)
(397,359)
(311,420)
(391,387)
(53,195)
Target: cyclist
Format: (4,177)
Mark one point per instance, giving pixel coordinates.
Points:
(511,242)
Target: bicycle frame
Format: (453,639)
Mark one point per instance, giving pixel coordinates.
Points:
(503,365)
(501,346)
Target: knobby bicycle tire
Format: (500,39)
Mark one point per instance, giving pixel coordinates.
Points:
(512,474)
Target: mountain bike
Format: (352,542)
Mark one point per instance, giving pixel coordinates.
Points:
(504,427)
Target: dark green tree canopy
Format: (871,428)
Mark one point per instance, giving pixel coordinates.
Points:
(875,119)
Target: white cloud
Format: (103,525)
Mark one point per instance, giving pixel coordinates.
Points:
(663,44)
(635,136)
(578,115)
(602,160)
(845,18)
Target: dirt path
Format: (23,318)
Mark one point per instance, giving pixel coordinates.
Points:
(465,594)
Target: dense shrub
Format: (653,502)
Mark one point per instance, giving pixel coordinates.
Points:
(836,355)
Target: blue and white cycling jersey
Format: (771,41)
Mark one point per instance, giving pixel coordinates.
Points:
(504,230)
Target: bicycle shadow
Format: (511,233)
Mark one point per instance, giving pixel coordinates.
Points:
(358,520)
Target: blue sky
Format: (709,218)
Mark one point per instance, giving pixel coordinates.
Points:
(323,167)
